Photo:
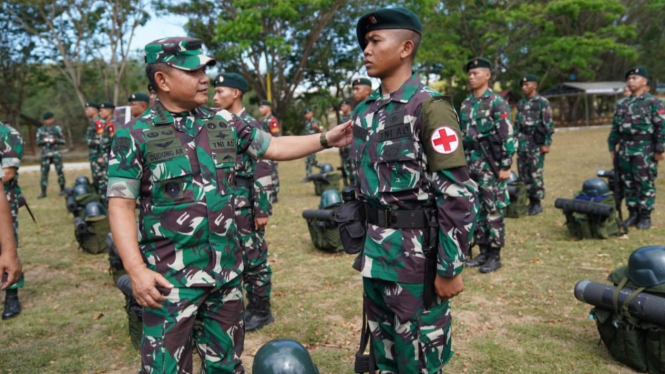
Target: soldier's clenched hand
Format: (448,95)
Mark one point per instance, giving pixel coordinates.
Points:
(341,135)
(448,288)
(260,222)
(504,174)
(658,156)
(143,287)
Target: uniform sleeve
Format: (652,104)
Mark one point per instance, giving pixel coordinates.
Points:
(263,188)
(658,113)
(61,136)
(457,207)
(547,121)
(125,166)
(251,140)
(11,150)
(519,117)
(90,133)
(501,116)
(613,138)
(39,137)
(441,135)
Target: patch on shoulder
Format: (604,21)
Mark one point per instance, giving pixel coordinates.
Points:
(445,140)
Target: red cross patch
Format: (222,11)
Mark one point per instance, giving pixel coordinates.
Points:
(445,140)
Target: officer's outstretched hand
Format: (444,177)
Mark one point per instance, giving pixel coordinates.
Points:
(10,266)
(143,286)
(448,288)
(341,135)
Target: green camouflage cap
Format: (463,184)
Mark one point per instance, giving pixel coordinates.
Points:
(386,19)
(181,53)
(478,62)
(637,70)
(139,96)
(266,102)
(362,82)
(233,80)
(107,105)
(48,115)
(92,104)
(528,78)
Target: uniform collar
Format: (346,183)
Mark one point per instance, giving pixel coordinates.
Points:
(641,96)
(164,117)
(403,94)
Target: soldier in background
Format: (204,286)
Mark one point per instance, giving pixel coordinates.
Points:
(106,111)
(637,129)
(50,138)
(489,148)
(348,168)
(271,126)
(11,153)
(312,126)
(252,190)
(138,103)
(94,136)
(534,128)
(362,88)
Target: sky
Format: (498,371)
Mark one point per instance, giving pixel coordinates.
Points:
(158,27)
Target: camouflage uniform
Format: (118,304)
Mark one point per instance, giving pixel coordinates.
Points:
(347,161)
(11,153)
(638,130)
(51,152)
(181,167)
(395,144)
(106,139)
(487,118)
(251,203)
(96,145)
(534,128)
(309,129)
(271,126)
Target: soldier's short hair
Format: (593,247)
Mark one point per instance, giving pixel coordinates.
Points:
(152,69)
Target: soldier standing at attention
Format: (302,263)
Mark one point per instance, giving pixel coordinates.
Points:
(138,103)
(362,88)
(252,190)
(534,128)
(419,200)
(312,126)
(179,161)
(345,153)
(94,137)
(11,153)
(271,126)
(106,111)
(489,148)
(637,129)
(50,138)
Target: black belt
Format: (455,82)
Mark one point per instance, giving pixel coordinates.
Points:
(244,182)
(636,137)
(396,219)
(528,130)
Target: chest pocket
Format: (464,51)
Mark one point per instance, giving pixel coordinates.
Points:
(397,158)
(223,145)
(483,121)
(170,168)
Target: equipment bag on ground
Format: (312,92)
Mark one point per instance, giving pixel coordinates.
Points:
(519,201)
(92,228)
(589,225)
(332,183)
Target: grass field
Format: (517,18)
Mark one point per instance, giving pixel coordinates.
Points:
(521,319)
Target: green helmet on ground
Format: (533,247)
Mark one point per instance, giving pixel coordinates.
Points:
(94,212)
(330,199)
(82,179)
(283,356)
(81,189)
(327,168)
(595,187)
(646,266)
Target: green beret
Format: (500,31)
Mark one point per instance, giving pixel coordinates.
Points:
(139,96)
(307,110)
(232,80)
(266,102)
(478,62)
(529,78)
(637,70)
(385,19)
(362,82)
(181,53)
(106,105)
(91,104)
(48,115)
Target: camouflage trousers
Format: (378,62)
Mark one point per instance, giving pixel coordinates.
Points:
(99,177)
(12,198)
(493,196)
(167,342)
(275,180)
(257,274)
(638,176)
(347,165)
(530,167)
(406,338)
(309,162)
(46,162)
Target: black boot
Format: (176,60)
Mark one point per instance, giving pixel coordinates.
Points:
(480,259)
(62,191)
(43,195)
(258,313)
(644,222)
(534,206)
(632,218)
(12,305)
(493,261)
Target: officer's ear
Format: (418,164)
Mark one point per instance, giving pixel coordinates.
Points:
(162,81)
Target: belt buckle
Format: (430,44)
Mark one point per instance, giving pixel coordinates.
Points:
(383,217)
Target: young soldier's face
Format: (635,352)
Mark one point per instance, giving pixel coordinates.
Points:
(478,77)
(188,88)
(91,112)
(382,53)
(224,97)
(264,110)
(635,82)
(49,122)
(106,113)
(360,93)
(137,107)
(529,87)
(346,108)
(309,115)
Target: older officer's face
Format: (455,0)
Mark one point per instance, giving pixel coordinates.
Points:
(188,88)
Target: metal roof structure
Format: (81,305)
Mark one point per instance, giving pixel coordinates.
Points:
(587,88)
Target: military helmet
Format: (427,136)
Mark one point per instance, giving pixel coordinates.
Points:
(595,187)
(513,177)
(329,199)
(327,168)
(646,266)
(82,179)
(283,356)
(81,189)
(94,211)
